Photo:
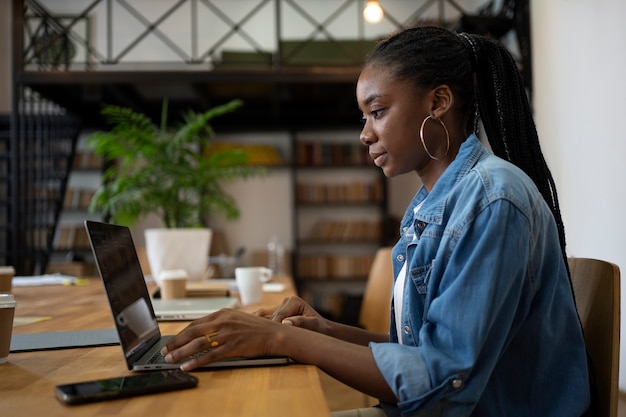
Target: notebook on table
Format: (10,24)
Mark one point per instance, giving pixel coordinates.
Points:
(133,313)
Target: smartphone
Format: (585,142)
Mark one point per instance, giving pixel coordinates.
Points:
(125,386)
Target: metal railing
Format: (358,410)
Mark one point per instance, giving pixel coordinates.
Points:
(194,32)
(35,163)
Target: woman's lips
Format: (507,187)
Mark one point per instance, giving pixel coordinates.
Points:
(379,158)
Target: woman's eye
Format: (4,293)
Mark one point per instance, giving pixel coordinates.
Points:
(376,114)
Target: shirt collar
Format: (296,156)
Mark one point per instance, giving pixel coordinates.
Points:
(470,152)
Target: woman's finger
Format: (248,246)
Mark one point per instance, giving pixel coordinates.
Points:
(292,306)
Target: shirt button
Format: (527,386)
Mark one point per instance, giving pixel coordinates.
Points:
(405,229)
(421,225)
(457,383)
(407,330)
(400,258)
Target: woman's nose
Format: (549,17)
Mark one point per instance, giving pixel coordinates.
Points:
(366,137)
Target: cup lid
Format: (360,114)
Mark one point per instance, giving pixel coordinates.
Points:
(7,300)
(172,274)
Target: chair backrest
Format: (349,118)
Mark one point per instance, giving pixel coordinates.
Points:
(596,286)
(143,260)
(374,313)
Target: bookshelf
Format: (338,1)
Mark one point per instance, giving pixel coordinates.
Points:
(72,254)
(340,211)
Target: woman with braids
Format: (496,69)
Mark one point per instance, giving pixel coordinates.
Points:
(483,321)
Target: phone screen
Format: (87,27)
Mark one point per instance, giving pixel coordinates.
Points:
(126,386)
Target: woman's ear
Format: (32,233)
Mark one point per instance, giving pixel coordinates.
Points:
(443,101)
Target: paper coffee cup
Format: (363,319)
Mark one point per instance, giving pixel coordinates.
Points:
(173,283)
(6,278)
(7,311)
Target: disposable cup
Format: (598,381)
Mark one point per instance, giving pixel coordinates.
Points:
(6,278)
(173,283)
(7,311)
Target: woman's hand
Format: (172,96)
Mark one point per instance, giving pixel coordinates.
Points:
(225,334)
(232,333)
(295,311)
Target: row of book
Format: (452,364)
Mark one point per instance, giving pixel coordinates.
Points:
(77,198)
(347,193)
(334,266)
(258,154)
(332,154)
(71,237)
(86,160)
(346,231)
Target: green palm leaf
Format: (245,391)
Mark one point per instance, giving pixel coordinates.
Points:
(173,173)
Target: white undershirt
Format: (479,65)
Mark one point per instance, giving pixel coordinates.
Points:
(398,288)
(398,296)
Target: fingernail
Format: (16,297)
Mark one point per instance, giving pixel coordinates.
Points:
(164,350)
(289,322)
(168,358)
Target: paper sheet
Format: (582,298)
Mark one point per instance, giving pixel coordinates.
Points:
(48,279)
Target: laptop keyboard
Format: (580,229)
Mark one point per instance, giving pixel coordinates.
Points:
(159,359)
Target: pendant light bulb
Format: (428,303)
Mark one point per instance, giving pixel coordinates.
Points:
(373,13)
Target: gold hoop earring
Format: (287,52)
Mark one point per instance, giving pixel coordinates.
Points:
(424,142)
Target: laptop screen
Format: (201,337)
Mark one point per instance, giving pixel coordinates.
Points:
(120,270)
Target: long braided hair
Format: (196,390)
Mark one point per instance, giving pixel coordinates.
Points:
(486,81)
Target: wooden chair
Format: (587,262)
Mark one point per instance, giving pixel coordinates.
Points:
(374,313)
(143,260)
(596,286)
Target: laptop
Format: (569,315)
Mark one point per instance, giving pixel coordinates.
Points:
(132,309)
(189,308)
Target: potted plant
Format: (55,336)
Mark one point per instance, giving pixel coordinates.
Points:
(173,173)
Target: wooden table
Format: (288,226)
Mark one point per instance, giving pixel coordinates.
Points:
(27,381)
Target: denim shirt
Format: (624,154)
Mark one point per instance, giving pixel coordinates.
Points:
(488,318)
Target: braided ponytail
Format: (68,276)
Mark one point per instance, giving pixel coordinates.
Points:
(507,117)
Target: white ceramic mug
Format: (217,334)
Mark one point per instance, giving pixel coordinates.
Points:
(250,281)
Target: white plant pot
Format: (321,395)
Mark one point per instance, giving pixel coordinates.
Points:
(183,248)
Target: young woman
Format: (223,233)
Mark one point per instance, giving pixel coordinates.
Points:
(483,321)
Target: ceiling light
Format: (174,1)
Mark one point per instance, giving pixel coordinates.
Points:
(373,13)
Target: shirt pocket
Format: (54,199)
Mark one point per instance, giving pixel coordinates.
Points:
(420,276)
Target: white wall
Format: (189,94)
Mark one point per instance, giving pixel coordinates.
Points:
(580,100)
